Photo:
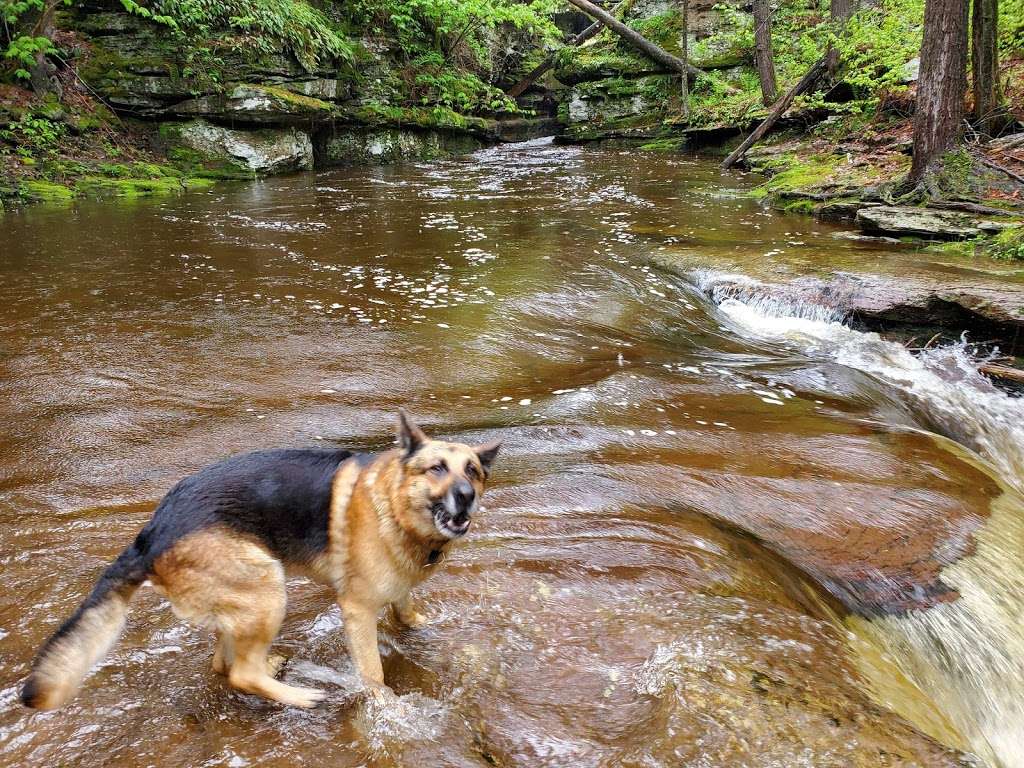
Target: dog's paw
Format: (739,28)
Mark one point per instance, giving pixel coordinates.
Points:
(307,698)
(413,620)
(274,664)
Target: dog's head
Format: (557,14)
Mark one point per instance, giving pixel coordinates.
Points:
(442,482)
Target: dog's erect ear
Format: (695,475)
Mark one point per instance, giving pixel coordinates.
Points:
(487,453)
(410,437)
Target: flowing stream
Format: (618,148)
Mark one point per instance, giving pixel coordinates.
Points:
(722,532)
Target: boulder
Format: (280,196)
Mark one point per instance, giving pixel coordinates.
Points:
(230,152)
(926,222)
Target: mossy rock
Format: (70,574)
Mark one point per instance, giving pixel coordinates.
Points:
(620,107)
(45,192)
(104,186)
(200,148)
(257,104)
(345,146)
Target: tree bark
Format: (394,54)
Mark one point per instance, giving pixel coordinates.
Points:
(549,61)
(684,45)
(985,65)
(637,40)
(763,52)
(806,83)
(939,108)
(840,12)
(41,76)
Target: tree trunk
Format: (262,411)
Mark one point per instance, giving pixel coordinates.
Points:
(806,83)
(684,44)
(985,65)
(41,76)
(840,12)
(939,108)
(635,39)
(763,52)
(549,60)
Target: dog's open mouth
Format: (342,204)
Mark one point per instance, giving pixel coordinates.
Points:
(448,524)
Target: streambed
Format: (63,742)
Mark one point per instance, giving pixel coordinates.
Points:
(734,534)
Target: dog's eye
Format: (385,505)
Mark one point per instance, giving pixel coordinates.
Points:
(438,469)
(471,472)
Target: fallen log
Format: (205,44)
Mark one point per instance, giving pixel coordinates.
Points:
(1002,372)
(808,81)
(638,41)
(549,61)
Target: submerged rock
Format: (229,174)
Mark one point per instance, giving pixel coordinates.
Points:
(926,222)
(227,151)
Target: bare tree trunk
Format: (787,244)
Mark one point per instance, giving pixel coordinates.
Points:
(42,73)
(635,39)
(840,12)
(684,45)
(939,109)
(549,60)
(806,83)
(763,52)
(985,65)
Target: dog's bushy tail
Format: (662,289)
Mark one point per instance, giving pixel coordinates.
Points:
(66,658)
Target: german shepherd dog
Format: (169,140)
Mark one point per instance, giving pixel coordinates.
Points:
(368,526)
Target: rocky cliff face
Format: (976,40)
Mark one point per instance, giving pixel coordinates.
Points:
(257,115)
(617,93)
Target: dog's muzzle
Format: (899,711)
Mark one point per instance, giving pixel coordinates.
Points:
(452,514)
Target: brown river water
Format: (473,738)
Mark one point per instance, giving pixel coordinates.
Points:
(719,535)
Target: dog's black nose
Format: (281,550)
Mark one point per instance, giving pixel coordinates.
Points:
(464,494)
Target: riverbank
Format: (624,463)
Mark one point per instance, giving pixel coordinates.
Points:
(141,104)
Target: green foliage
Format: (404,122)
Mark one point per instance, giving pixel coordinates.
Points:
(20,26)
(436,83)
(457,51)
(32,136)
(1011,26)
(1008,245)
(259,26)
(877,44)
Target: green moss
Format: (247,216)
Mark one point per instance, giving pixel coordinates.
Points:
(797,175)
(287,98)
(45,191)
(664,145)
(383,115)
(100,186)
(955,177)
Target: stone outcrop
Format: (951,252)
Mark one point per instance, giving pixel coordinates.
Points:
(267,114)
(231,152)
(927,222)
(989,310)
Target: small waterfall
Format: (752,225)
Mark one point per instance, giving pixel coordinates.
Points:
(966,656)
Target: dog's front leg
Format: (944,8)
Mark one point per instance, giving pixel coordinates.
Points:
(361,632)
(407,614)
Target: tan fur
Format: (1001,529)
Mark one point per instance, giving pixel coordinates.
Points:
(61,668)
(380,538)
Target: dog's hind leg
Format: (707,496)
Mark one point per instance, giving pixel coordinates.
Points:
(223,654)
(234,585)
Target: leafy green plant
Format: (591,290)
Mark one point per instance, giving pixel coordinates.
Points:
(261,26)
(22,27)
(32,135)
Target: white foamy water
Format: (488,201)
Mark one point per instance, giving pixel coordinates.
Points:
(967,655)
